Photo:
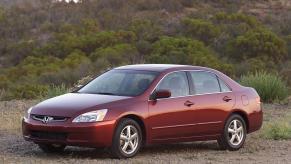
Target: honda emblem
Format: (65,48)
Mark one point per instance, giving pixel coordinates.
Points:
(47,119)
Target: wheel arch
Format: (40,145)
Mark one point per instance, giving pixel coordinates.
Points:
(140,122)
(243,114)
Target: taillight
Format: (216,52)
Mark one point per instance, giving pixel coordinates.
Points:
(258,100)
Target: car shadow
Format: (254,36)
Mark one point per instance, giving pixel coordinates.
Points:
(16,146)
(181,147)
(102,153)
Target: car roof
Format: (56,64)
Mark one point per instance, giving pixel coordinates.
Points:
(161,67)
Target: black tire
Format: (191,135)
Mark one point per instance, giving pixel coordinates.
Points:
(225,142)
(116,150)
(52,148)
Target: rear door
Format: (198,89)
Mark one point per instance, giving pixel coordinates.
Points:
(213,100)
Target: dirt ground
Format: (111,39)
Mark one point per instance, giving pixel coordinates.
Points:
(13,149)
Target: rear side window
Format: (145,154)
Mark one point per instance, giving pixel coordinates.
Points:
(176,83)
(204,82)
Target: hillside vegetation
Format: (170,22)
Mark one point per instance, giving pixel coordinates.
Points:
(47,44)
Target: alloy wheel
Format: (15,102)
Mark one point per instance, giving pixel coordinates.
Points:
(129,139)
(235,132)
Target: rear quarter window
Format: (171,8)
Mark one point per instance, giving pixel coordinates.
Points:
(223,86)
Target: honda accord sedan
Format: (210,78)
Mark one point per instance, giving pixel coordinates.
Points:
(132,106)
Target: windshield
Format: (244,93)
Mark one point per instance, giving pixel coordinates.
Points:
(120,83)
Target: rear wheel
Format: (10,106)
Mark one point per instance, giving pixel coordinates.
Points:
(127,139)
(234,133)
(52,148)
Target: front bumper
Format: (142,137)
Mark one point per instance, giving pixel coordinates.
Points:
(68,133)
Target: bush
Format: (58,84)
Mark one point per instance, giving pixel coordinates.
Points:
(67,76)
(26,91)
(145,30)
(55,90)
(187,3)
(116,55)
(260,43)
(76,58)
(170,50)
(4,82)
(255,64)
(2,94)
(200,29)
(33,91)
(277,130)
(270,87)
(286,72)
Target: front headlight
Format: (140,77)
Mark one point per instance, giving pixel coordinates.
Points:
(93,116)
(27,114)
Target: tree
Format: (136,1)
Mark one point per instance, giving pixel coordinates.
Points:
(116,55)
(200,29)
(185,51)
(145,30)
(259,43)
(76,58)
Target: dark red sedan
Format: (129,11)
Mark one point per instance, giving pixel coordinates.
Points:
(136,105)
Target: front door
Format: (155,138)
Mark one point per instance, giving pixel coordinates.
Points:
(169,117)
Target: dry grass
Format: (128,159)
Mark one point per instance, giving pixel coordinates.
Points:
(11,113)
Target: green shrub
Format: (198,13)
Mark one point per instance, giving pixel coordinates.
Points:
(270,87)
(33,91)
(66,76)
(200,29)
(26,91)
(181,50)
(277,130)
(55,90)
(253,65)
(145,29)
(235,20)
(286,72)
(118,54)
(2,94)
(259,43)
(76,58)
(4,82)
(187,3)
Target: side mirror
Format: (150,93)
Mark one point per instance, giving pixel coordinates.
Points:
(159,94)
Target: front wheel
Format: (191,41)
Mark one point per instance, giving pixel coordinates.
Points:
(127,139)
(234,133)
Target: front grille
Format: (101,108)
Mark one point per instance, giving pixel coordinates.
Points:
(54,118)
(48,135)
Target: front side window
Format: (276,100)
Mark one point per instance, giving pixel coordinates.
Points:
(120,83)
(204,82)
(176,83)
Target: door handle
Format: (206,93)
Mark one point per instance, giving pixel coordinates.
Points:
(188,103)
(226,99)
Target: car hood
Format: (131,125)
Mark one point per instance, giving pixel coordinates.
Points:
(70,104)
